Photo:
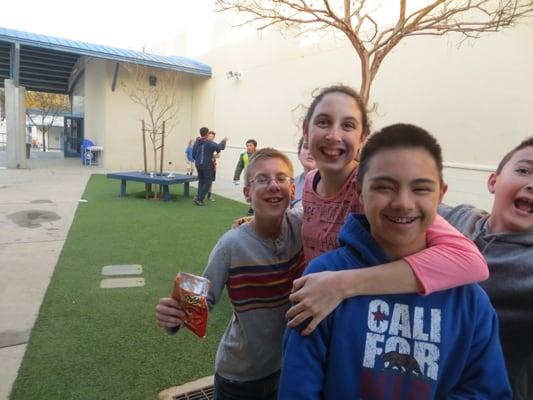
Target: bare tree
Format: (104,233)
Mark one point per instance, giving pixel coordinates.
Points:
(47,106)
(156,93)
(372,40)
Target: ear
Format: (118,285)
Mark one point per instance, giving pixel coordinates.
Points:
(359,192)
(358,152)
(491,183)
(246,192)
(443,190)
(292,192)
(305,132)
(364,140)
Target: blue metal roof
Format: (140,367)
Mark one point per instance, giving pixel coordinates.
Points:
(41,55)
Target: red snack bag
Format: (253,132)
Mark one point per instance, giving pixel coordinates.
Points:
(191,292)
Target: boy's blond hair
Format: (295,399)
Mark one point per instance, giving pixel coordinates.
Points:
(266,153)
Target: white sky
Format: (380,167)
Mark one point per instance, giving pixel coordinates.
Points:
(130,25)
(138,24)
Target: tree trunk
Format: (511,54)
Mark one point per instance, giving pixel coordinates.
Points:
(366,80)
(44,140)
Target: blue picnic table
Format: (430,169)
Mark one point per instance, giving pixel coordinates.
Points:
(165,180)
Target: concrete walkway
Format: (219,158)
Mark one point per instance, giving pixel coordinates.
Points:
(37,206)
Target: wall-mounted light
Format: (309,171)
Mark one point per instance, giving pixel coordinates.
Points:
(237,75)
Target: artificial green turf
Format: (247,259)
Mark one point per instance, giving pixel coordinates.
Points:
(92,343)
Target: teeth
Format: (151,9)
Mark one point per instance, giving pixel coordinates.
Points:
(331,152)
(402,220)
(524,205)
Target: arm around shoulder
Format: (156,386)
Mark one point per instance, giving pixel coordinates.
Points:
(222,144)
(450,260)
(318,293)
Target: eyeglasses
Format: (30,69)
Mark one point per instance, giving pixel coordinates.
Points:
(265,180)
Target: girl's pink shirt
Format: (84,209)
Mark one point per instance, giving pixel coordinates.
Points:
(450,260)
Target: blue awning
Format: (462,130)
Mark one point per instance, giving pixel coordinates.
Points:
(46,61)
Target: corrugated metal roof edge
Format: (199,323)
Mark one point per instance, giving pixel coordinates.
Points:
(204,72)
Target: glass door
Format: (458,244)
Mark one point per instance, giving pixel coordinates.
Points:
(73,134)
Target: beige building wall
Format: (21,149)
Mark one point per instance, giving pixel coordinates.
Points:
(95,126)
(475,98)
(113,121)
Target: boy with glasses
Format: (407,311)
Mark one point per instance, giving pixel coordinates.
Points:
(257,262)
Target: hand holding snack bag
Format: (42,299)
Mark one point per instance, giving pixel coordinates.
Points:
(191,292)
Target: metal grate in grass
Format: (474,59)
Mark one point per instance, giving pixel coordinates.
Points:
(200,389)
(200,394)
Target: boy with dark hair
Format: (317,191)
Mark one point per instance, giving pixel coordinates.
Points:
(244,159)
(257,263)
(505,238)
(403,346)
(202,151)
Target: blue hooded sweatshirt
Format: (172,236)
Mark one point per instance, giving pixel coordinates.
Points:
(203,150)
(441,346)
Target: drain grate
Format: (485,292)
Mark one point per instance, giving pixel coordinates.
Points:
(200,394)
(200,389)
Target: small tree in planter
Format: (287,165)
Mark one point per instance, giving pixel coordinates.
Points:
(154,91)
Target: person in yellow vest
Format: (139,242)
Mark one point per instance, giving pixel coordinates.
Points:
(244,159)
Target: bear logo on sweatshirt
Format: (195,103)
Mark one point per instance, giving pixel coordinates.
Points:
(403,362)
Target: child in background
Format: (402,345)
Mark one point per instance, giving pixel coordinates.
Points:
(335,127)
(203,150)
(308,163)
(257,263)
(244,159)
(403,346)
(506,239)
(190,158)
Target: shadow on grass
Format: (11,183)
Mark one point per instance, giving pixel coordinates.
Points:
(92,343)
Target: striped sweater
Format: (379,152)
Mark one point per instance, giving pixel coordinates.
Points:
(258,275)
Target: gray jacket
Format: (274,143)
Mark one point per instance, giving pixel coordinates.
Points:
(510,287)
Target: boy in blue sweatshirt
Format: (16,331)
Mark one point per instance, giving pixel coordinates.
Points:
(444,345)
(203,151)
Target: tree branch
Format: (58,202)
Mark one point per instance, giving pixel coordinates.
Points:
(372,40)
